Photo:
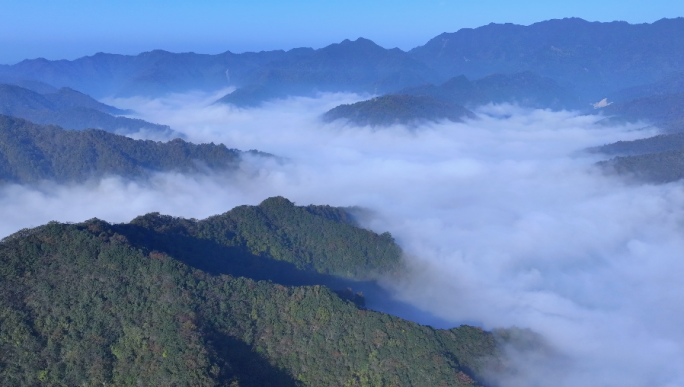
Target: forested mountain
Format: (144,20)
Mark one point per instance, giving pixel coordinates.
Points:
(664,110)
(660,143)
(31,152)
(658,159)
(525,89)
(398,109)
(129,304)
(593,59)
(68,108)
(660,167)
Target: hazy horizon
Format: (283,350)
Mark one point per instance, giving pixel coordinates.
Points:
(34,29)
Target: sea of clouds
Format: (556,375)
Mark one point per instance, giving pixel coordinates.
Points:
(504,221)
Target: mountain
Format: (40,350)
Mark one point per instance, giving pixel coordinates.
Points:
(398,109)
(151,73)
(359,66)
(670,84)
(37,86)
(251,96)
(66,98)
(659,168)
(591,59)
(126,305)
(30,152)
(656,144)
(68,108)
(525,89)
(658,159)
(663,110)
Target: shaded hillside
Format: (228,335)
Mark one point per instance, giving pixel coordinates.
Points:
(68,108)
(525,89)
(398,109)
(592,58)
(319,239)
(31,152)
(660,143)
(87,304)
(663,110)
(661,167)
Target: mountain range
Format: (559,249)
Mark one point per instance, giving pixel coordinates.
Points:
(67,108)
(589,59)
(30,153)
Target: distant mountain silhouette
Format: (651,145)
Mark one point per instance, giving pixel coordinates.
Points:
(68,108)
(525,89)
(398,109)
(592,58)
(350,66)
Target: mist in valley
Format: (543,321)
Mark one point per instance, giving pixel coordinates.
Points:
(504,221)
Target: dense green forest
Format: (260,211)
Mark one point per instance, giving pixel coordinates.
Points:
(398,109)
(30,153)
(67,108)
(151,303)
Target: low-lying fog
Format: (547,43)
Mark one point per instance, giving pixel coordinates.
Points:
(503,220)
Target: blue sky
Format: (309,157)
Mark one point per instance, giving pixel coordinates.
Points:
(68,29)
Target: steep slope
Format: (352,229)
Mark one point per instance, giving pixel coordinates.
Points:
(87,304)
(30,152)
(68,108)
(592,58)
(398,109)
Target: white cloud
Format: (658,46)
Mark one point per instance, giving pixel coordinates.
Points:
(503,221)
